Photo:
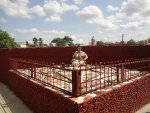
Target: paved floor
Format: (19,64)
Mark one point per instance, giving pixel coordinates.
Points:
(145,109)
(9,103)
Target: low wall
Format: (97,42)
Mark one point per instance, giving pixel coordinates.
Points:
(38,98)
(95,53)
(125,99)
(4,64)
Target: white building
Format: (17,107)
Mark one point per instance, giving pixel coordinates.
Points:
(22,44)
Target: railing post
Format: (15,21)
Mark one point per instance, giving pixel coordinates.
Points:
(117,74)
(149,66)
(76,82)
(31,71)
(34,68)
(122,73)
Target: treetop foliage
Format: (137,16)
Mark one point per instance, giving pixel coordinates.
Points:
(6,41)
(62,41)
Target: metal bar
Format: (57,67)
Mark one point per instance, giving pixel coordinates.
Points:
(122,73)
(86,78)
(117,74)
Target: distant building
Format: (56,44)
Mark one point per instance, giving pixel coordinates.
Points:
(146,42)
(93,42)
(22,44)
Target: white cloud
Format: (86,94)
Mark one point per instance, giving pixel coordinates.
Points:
(68,7)
(54,32)
(53,18)
(133,25)
(111,8)
(21,30)
(113,19)
(78,1)
(56,7)
(35,30)
(32,30)
(15,8)
(37,10)
(80,38)
(130,7)
(13,34)
(93,15)
(52,6)
(63,0)
(90,12)
(20,8)
(3,20)
(141,34)
(132,14)
(134,9)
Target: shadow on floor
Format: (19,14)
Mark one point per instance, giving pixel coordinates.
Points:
(9,103)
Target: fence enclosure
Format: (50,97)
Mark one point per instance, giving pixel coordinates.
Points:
(28,70)
(82,80)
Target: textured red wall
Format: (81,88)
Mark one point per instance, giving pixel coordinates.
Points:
(96,54)
(4,65)
(126,99)
(38,98)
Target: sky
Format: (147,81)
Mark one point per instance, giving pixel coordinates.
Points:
(106,20)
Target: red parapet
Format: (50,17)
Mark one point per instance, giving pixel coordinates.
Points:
(106,66)
(77,81)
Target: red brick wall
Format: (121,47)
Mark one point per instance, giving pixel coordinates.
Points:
(96,54)
(126,99)
(64,54)
(38,98)
(4,65)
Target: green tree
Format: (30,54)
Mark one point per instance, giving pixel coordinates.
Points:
(122,42)
(68,40)
(99,43)
(35,42)
(131,42)
(118,42)
(27,44)
(140,42)
(50,44)
(58,41)
(40,42)
(62,41)
(7,41)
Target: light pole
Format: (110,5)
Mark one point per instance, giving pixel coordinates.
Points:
(122,38)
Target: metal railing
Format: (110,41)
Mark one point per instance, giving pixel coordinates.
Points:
(81,80)
(48,75)
(103,76)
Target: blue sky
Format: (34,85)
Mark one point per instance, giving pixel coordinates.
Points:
(79,19)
